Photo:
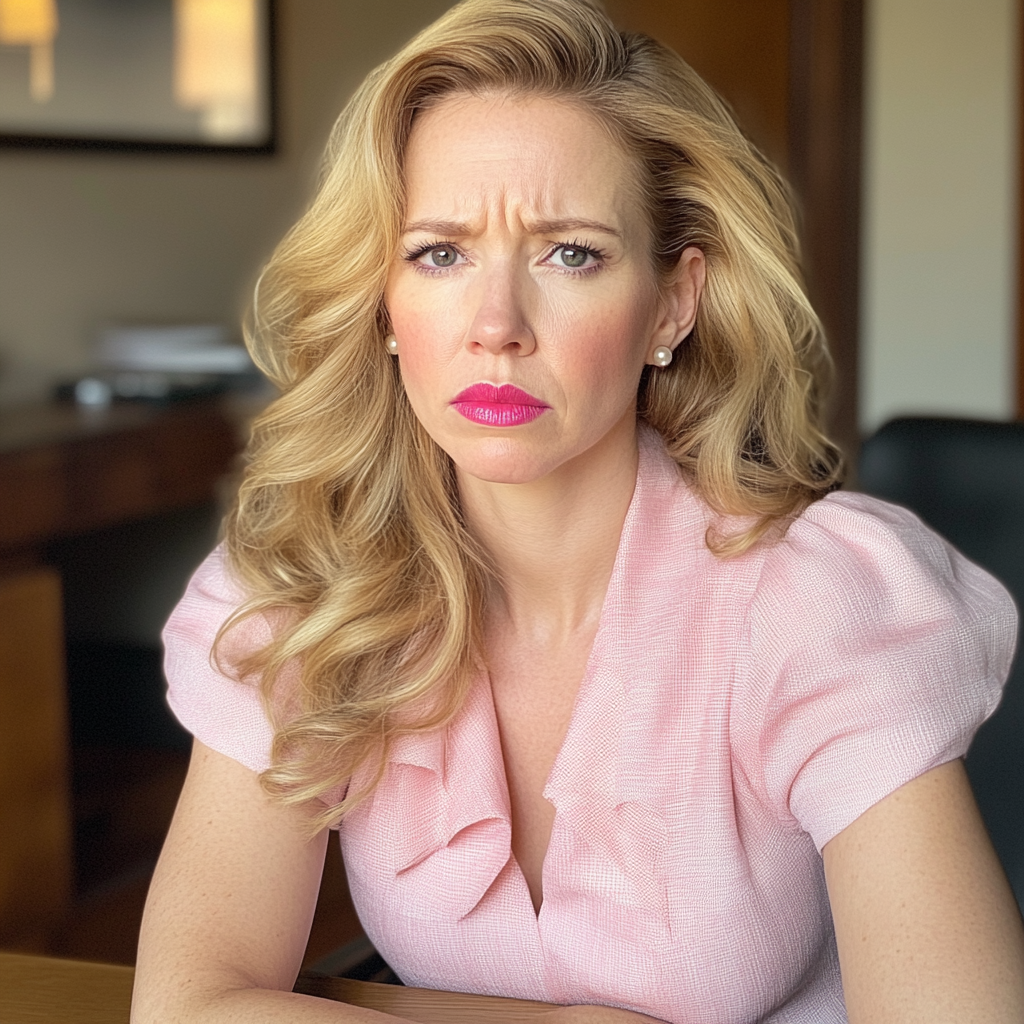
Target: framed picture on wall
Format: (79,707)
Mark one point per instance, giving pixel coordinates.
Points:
(192,75)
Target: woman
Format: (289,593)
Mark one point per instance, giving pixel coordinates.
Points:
(536,584)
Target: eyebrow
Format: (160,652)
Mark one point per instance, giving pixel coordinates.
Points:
(457,229)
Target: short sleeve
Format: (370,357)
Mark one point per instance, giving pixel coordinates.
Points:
(220,711)
(876,650)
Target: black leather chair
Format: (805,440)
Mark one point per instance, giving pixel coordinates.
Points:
(965,478)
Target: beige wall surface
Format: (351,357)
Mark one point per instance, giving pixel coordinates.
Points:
(94,238)
(939,209)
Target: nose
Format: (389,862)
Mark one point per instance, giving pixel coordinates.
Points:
(500,325)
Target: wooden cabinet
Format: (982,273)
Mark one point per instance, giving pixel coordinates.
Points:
(66,471)
(35,819)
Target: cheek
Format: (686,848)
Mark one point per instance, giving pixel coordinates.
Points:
(418,362)
(424,339)
(606,351)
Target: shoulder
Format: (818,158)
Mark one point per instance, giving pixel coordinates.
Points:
(873,652)
(862,565)
(851,573)
(212,597)
(863,605)
(216,707)
(212,593)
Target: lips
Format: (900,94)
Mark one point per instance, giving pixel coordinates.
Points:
(502,405)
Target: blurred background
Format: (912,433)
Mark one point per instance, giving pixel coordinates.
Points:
(133,222)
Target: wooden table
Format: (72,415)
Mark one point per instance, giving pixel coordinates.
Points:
(40,990)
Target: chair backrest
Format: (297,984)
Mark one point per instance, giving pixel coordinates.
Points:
(965,478)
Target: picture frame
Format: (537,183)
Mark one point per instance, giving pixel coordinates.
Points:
(189,76)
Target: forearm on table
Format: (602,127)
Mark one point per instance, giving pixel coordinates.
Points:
(411,1006)
(214,994)
(258,1006)
(595,1015)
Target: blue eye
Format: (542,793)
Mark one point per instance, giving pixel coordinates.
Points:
(439,256)
(442,256)
(575,257)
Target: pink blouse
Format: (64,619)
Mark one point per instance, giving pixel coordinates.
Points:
(734,716)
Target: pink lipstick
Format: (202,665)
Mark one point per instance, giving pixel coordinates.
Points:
(502,405)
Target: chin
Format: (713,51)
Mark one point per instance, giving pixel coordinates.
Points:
(501,460)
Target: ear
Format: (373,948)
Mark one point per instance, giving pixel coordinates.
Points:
(680,298)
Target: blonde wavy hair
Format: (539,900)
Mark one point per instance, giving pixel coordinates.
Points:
(347,532)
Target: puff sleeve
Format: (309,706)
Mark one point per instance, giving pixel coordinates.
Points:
(220,711)
(875,651)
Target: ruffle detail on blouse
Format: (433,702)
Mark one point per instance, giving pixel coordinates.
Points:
(452,839)
(454,836)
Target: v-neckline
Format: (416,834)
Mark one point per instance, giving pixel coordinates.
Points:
(583,692)
(454,841)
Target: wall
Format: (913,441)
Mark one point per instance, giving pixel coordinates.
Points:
(88,238)
(939,209)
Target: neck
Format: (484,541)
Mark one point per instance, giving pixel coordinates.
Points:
(553,541)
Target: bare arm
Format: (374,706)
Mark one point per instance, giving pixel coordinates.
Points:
(927,926)
(228,914)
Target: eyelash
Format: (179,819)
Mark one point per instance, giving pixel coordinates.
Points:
(413,255)
(581,246)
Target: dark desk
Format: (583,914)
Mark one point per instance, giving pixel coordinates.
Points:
(66,470)
(39,990)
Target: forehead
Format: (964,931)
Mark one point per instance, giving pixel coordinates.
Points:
(549,158)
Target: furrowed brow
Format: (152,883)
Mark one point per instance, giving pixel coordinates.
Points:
(459,229)
(558,227)
(451,228)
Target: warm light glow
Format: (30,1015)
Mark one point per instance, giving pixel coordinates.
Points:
(32,23)
(215,64)
(24,22)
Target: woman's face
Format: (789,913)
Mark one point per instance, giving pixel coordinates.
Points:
(523,299)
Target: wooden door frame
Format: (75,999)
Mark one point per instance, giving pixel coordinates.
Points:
(1019,302)
(825,129)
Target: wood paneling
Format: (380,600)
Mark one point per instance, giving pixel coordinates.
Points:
(35,816)
(826,74)
(64,471)
(1020,210)
(741,47)
(792,71)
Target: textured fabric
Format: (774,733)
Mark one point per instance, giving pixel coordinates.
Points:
(733,717)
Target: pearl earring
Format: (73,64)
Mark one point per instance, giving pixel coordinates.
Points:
(662,356)
(392,343)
